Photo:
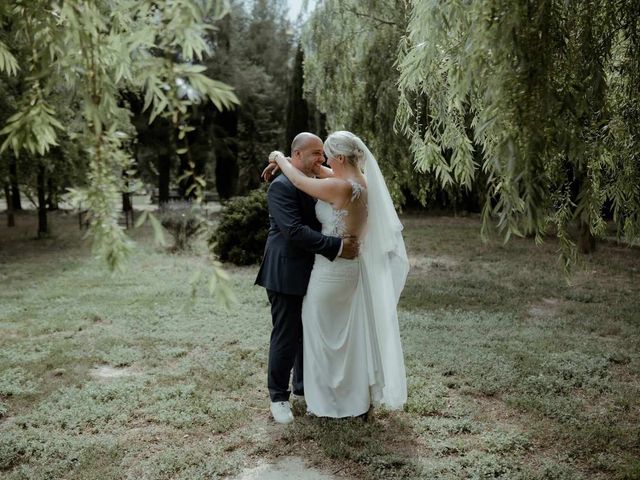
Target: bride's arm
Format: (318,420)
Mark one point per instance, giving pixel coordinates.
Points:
(320,171)
(330,190)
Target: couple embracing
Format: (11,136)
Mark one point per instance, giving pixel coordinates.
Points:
(334,266)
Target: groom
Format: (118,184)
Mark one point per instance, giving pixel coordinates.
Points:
(294,238)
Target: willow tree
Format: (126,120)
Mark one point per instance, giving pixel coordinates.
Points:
(547,92)
(92,50)
(350,48)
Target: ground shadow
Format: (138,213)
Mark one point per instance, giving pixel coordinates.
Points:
(381,447)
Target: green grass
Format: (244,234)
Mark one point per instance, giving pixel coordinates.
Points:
(514,370)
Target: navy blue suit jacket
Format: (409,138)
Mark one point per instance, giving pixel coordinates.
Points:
(294,239)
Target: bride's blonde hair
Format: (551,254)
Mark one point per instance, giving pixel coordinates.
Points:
(347,144)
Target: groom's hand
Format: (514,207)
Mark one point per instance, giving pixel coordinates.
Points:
(350,247)
(269,171)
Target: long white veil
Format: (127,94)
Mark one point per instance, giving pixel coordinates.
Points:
(384,271)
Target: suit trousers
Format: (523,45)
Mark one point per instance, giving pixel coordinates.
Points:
(285,347)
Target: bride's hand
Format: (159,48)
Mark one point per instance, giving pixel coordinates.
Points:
(272,168)
(274,154)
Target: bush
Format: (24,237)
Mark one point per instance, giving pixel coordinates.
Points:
(243,229)
(183,221)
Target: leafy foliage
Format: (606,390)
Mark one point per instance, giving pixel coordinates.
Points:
(94,49)
(541,97)
(8,62)
(242,231)
(33,129)
(228,146)
(350,49)
(350,72)
(528,110)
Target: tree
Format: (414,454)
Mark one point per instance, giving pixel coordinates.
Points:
(16,202)
(8,167)
(31,128)
(302,114)
(253,54)
(230,145)
(95,49)
(6,186)
(540,96)
(349,52)
(297,106)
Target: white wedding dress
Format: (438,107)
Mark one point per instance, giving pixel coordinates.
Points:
(351,337)
(339,362)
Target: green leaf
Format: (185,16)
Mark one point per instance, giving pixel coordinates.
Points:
(141,219)
(8,62)
(157,230)
(213,281)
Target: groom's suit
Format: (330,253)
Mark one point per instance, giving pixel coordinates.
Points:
(294,239)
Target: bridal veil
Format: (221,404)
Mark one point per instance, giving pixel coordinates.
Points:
(383,274)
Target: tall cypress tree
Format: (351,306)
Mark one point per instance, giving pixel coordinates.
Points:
(297,107)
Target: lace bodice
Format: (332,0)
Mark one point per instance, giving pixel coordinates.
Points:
(334,221)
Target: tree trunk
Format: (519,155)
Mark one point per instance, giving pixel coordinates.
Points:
(164,175)
(126,202)
(127,209)
(15,190)
(52,200)
(127,205)
(586,241)
(226,173)
(185,183)
(227,154)
(43,229)
(11,221)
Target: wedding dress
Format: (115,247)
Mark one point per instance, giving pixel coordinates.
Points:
(337,356)
(351,341)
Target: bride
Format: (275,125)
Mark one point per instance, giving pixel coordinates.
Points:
(351,341)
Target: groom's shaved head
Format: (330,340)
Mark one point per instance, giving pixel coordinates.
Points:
(302,140)
(306,152)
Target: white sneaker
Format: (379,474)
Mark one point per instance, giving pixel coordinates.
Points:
(297,398)
(281,412)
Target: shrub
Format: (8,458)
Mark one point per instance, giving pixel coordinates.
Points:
(183,221)
(243,229)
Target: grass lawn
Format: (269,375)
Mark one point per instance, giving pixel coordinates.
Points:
(514,371)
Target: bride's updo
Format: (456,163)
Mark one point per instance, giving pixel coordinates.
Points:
(347,144)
